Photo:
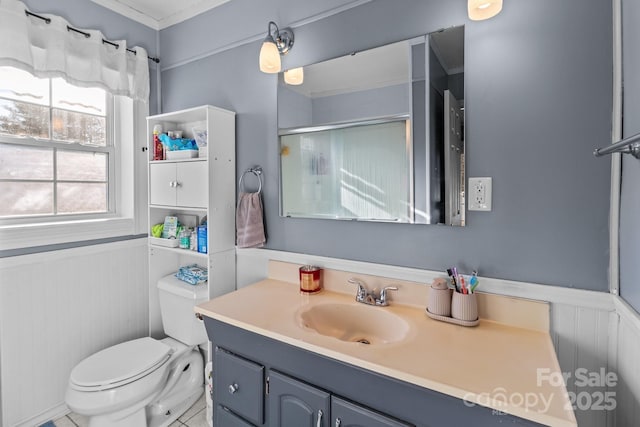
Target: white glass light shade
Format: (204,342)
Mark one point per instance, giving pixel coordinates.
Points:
(269,58)
(483,9)
(295,76)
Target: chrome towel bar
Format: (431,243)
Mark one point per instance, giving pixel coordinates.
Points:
(629,145)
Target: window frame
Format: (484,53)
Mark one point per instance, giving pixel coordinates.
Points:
(125,124)
(110,149)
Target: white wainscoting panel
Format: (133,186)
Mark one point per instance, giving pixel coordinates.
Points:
(580,319)
(581,338)
(56,308)
(628,365)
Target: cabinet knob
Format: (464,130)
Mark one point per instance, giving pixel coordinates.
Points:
(172,184)
(233,388)
(319,421)
(338,422)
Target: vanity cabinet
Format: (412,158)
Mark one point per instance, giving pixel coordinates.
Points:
(179,183)
(293,403)
(241,398)
(298,384)
(194,189)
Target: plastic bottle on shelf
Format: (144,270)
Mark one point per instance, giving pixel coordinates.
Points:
(158,148)
(194,240)
(185,239)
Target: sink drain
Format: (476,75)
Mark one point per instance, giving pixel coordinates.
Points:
(363,341)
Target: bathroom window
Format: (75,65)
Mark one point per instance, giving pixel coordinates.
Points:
(56,149)
(68,164)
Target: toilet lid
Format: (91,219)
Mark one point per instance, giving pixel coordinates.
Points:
(121,362)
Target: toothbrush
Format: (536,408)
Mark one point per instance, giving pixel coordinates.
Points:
(474,281)
(457,279)
(473,287)
(451,274)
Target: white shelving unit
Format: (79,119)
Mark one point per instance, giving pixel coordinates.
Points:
(192,189)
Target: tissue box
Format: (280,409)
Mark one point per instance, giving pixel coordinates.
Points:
(202,239)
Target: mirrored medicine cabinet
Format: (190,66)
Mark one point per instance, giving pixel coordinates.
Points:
(377,135)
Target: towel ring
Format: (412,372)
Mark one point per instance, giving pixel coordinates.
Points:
(257,171)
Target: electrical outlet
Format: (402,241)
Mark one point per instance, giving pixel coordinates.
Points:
(480,194)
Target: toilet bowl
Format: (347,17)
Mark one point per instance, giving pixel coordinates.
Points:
(145,382)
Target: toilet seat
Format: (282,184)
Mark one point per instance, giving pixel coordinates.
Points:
(119,365)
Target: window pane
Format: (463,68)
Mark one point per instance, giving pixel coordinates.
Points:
(21,162)
(79,127)
(22,119)
(82,198)
(81,99)
(82,166)
(21,86)
(26,198)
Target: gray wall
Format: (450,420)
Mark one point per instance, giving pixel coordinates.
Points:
(538,102)
(380,102)
(86,14)
(630,198)
(297,110)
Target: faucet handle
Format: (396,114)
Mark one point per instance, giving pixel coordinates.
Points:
(383,295)
(362,289)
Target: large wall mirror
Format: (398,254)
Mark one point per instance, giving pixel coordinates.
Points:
(377,135)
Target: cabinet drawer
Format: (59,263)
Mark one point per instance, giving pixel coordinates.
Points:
(239,385)
(225,418)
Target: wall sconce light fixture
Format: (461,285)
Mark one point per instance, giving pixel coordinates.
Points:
(483,9)
(294,76)
(277,43)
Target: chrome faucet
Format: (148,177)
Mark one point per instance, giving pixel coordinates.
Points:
(365,296)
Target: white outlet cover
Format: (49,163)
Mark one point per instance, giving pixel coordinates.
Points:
(480,194)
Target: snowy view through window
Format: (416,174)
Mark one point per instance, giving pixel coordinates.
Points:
(54,147)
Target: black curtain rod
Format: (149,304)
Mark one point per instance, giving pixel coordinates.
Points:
(87,35)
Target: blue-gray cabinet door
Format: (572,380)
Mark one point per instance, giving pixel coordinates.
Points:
(293,403)
(346,414)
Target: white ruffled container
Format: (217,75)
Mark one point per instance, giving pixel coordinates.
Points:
(439,300)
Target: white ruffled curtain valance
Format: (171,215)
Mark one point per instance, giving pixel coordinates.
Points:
(52,50)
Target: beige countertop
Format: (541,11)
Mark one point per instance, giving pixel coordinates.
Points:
(493,364)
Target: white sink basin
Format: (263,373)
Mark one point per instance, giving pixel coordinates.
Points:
(356,323)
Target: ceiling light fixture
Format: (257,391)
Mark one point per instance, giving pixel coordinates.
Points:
(483,9)
(294,76)
(277,43)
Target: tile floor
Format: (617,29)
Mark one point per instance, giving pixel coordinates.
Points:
(194,417)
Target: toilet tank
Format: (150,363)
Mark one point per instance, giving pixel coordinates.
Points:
(177,299)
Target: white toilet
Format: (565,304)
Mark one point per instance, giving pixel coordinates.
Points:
(146,382)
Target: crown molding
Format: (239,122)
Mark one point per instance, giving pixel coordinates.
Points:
(159,24)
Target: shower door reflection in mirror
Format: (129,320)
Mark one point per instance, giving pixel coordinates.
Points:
(359,171)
